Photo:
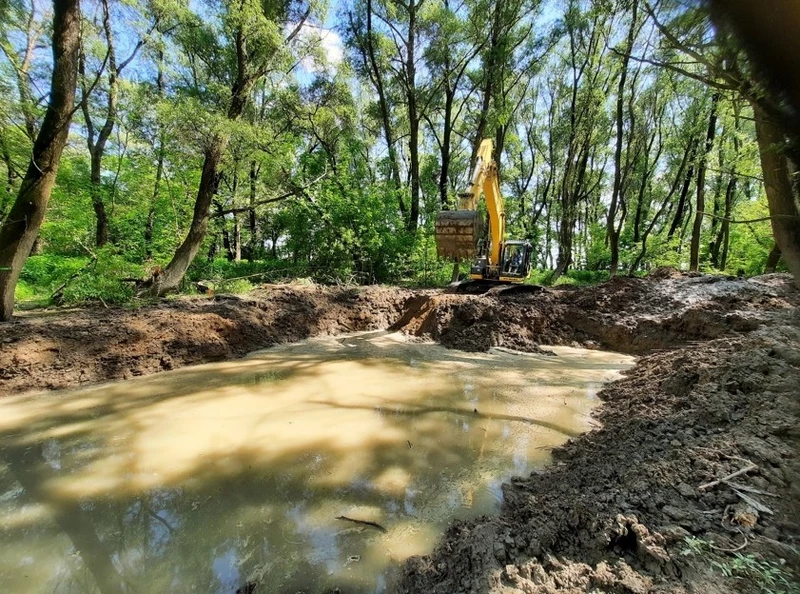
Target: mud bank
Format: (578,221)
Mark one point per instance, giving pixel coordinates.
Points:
(634,316)
(619,510)
(717,389)
(61,349)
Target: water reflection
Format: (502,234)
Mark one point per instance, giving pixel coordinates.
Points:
(204,479)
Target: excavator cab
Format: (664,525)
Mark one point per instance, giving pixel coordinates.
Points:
(513,267)
(516,261)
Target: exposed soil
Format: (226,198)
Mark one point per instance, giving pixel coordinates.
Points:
(61,349)
(717,389)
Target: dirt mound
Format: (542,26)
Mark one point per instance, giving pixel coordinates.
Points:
(64,349)
(619,510)
(625,314)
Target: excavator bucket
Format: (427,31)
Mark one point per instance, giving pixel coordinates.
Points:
(457,233)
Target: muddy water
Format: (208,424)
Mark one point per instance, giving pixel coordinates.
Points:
(204,479)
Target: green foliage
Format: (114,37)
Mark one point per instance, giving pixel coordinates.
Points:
(103,280)
(306,180)
(576,278)
(24,292)
(769,576)
(47,272)
(772,578)
(78,279)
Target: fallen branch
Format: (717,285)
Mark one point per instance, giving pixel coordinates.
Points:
(364,522)
(58,294)
(734,550)
(754,503)
(750,467)
(749,489)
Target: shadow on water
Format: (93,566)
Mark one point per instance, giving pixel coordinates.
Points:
(206,478)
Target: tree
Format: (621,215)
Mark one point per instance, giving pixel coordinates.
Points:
(587,86)
(254,42)
(694,261)
(96,143)
(612,227)
(21,226)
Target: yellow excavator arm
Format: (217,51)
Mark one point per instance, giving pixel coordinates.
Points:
(485,179)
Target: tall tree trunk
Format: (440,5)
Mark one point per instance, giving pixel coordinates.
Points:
(723,239)
(383,104)
(447,134)
(21,227)
(151,211)
(714,245)
(694,252)
(547,257)
(274,242)
(773,258)
(251,220)
(413,117)
(96,191)
(174,272)
(649,170)
(237,239)
(687,155)
(97,146)
(687,182)
(227,244)
(612,231)
(778,186)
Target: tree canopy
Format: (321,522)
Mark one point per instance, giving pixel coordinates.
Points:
(254,140)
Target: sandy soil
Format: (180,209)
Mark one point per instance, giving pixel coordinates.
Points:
(717,389)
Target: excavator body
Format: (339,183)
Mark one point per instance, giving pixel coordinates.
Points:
(460,233)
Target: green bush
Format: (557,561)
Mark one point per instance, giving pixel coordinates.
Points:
(24,292)
(235,286)
(577,278)
(78,279)
(102,280)
(45,273)
(257,271)
(583,278)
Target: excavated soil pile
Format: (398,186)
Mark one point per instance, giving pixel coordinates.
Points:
(64,349)
(620,510)
(629,315)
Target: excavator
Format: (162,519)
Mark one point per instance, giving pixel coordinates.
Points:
(496,261)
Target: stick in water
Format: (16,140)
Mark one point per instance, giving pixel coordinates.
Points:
(365,522)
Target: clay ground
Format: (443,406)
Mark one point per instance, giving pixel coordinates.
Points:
(717,389)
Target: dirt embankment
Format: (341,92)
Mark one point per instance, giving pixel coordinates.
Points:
(70,348)
(620,510)
(633,316)
(716,390)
